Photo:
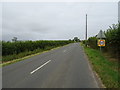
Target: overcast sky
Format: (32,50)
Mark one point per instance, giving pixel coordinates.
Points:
(56,21)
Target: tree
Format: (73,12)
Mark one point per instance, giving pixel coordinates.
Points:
(76,39)
(14,39)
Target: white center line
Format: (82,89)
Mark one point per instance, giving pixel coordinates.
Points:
(40,67)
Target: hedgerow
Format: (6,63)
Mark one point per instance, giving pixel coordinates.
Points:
(11,49)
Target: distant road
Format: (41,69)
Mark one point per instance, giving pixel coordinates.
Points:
(65,67)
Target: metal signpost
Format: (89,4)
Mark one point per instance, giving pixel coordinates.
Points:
(101,42)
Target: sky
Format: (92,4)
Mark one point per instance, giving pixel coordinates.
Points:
(119,11)
(56,20)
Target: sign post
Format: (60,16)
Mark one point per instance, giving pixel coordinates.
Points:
(101,42)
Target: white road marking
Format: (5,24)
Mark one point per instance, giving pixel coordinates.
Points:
(40,67)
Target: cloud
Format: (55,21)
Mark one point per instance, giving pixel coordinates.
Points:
(40,21)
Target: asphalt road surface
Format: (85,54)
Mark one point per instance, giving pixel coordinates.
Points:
(66,67)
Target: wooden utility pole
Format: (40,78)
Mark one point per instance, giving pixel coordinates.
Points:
(86,26)
(86,32)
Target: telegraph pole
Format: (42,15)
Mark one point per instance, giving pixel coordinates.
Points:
(86,31)
(86,26)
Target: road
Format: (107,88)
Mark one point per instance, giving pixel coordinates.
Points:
(65,67)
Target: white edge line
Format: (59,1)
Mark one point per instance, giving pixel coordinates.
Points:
(40,67)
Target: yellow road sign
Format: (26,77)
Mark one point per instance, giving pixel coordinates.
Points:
(101,42)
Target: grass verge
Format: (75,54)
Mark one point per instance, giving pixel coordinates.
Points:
(106,69)
(22,56)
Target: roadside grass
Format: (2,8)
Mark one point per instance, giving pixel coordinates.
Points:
(106,69)
(6,60)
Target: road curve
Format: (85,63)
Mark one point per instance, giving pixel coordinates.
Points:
(65,67)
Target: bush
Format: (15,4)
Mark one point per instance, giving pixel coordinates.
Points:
(112,41)
(10,48)
(92,42)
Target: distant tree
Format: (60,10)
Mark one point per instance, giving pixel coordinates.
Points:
(14,39)
(70,40)
(76,39)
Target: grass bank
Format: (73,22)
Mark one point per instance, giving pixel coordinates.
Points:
(6,60)
(106,69)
